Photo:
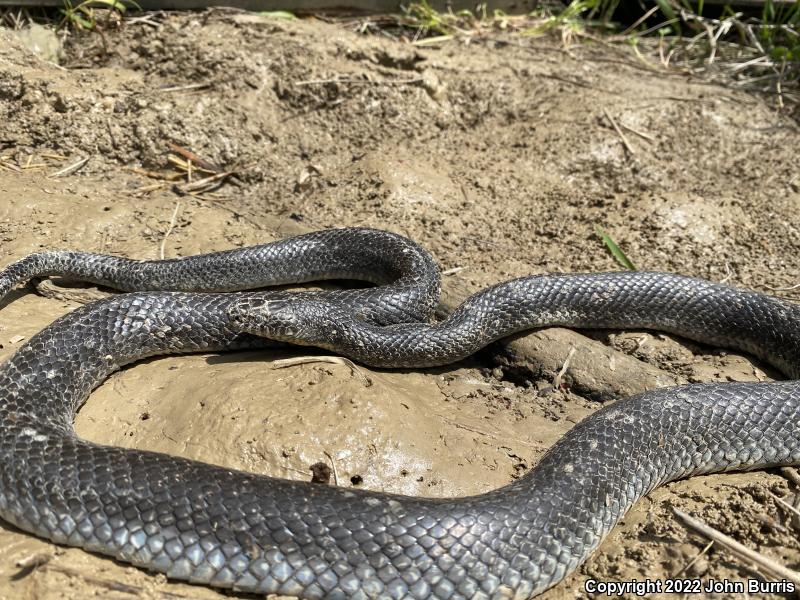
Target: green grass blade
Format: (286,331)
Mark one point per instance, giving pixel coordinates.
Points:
(615,250)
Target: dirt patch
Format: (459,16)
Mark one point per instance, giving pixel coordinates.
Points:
(498,156)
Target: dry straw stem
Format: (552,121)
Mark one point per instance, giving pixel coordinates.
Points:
(169,229)
(184,88)
(559,376)
(785,504)
(360,81)
(621,135)
(641,134)
(742,551)
(188,165)
(699,555)
(43,562)
(114,586)
(194,158)
(7,164)
(155,174)
(201,185)
(333,467)
(498,437)
(70,169)
(334,360)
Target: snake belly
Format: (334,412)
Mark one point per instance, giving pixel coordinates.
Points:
(232,529)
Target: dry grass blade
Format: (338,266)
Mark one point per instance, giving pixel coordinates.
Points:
(621,135)
(29,564)
(4,162)
(756,558)
(783,289)
(641,134)
(412,81)
(333,468)
(172,222)
(639,21)
(70,169)
(335,360)
(184,88)
(699,555)
(114,586)
(785,504)
(203,185)
(194,158)
(560,375)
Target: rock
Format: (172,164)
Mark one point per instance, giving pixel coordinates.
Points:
(594,370)
(42,41)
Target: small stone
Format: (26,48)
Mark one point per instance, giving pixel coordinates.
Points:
(42,41)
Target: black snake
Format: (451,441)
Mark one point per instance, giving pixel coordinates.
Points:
(232,529)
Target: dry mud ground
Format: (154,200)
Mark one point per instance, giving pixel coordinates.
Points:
(498,156)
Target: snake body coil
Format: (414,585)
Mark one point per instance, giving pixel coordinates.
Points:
(231,529)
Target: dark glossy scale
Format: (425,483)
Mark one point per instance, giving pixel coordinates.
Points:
(237,530)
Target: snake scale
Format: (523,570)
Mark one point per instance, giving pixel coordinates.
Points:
(231,529)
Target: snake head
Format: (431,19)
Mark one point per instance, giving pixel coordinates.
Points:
(304,321)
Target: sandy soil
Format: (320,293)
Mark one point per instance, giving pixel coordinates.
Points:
(498,156)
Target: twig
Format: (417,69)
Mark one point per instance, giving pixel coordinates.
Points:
(200,184)
(188,164)
(432,41)
(29,564)
(639,21)
(453,271)
(641,134)
(739,549)
(10,166)
(688,565)
(71,168)
(360,81)
(146,189)
(728,273)
(191,156)
(333,467)
(169,229)
(564,367)
(184,88)
(34,560)
(785,289)
(115,586)
(335,360)
(785,504)
(621,135)
(501,438)
(154,174)
(299,471)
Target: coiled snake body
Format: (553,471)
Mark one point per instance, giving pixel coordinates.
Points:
(231,529)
